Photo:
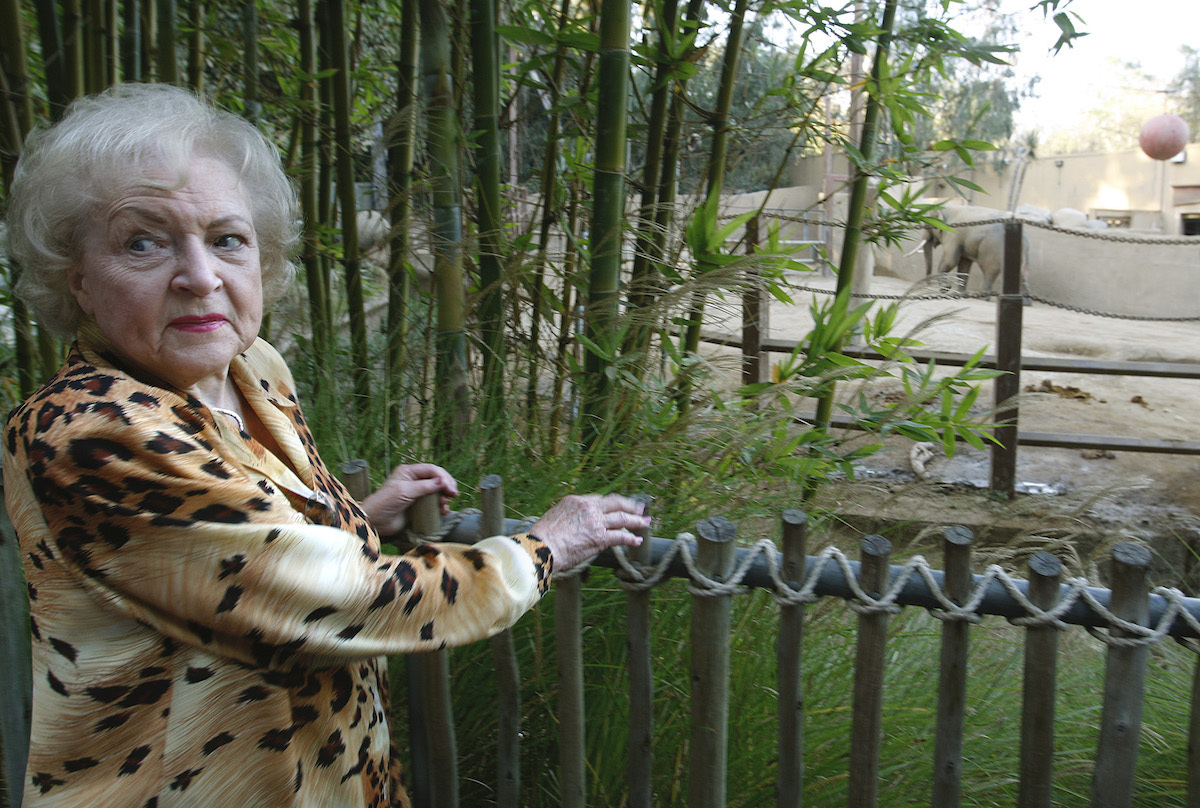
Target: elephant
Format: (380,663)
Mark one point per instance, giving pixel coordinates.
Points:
(973,244)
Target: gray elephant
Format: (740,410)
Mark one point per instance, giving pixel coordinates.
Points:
(981,244)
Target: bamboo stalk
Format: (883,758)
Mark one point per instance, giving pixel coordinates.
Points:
(453,400)
(719,123)
(131,41)
(549,216)
(16,121)
(310,252)
(168,61)
(856,207)
(196,54)
(608,214)
(402,139)
(648,250)
(95,75)
(866,725)
(16,679)
(53,56)
(326,197)
(250,101)
(489,210)
(952,673)
(348,205)
(149,39)
(73,50)
(716,552)
(112,47)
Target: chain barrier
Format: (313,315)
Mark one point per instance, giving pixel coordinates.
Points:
(636,577)
(1095,313)
(953,295)
(947,295)
(1100,234)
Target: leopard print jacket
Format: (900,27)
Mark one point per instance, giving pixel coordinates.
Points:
(208,621)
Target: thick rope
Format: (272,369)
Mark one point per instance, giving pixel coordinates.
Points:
(638,577)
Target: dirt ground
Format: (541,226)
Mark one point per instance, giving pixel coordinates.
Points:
(1072,500)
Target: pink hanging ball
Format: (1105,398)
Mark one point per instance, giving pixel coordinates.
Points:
(1163,136)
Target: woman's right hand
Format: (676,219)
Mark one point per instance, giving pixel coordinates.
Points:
(580,526)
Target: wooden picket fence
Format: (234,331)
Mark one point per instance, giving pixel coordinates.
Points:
(1128,617)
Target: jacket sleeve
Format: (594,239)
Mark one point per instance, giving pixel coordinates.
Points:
(149,519)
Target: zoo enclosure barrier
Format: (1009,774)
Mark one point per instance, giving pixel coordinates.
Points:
(756,347)
(1129,619)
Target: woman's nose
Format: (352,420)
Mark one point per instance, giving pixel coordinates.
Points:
(196,269)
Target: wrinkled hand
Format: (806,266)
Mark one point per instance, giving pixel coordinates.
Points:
(387,507)
(579,527)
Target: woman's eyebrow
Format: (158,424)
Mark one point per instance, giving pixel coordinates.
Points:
(232,219)
(138,212)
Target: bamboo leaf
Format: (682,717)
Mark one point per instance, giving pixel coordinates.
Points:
(522,35)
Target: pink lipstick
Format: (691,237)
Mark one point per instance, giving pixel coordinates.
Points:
(199,323)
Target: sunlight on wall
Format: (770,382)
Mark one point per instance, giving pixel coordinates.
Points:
(1111,197)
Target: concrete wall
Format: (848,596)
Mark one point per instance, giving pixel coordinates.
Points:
(1151,191)
(1090,269)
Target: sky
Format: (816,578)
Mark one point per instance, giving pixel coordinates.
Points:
(1149,32)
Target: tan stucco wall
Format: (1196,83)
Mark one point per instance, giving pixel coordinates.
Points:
(1116,181)
(1103,274)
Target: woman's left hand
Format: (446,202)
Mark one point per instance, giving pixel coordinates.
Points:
(387,507)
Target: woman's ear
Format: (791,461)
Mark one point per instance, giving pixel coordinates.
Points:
(76,285)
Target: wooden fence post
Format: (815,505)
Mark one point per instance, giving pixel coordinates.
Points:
(1040,685)
(1010,309)
(508,672)
(789,671)
(429,690)
(866,724)
(716,553)
(1124,683)
(952,675)
(756,309)
(357,478)
(568,642)
(641,680)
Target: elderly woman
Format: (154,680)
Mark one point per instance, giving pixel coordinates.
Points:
(209,604)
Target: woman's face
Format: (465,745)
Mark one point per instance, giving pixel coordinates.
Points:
(172,278)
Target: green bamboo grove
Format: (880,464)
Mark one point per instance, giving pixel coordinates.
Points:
(505,218)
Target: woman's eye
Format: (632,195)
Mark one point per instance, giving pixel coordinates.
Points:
(229,241)
(141,245)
